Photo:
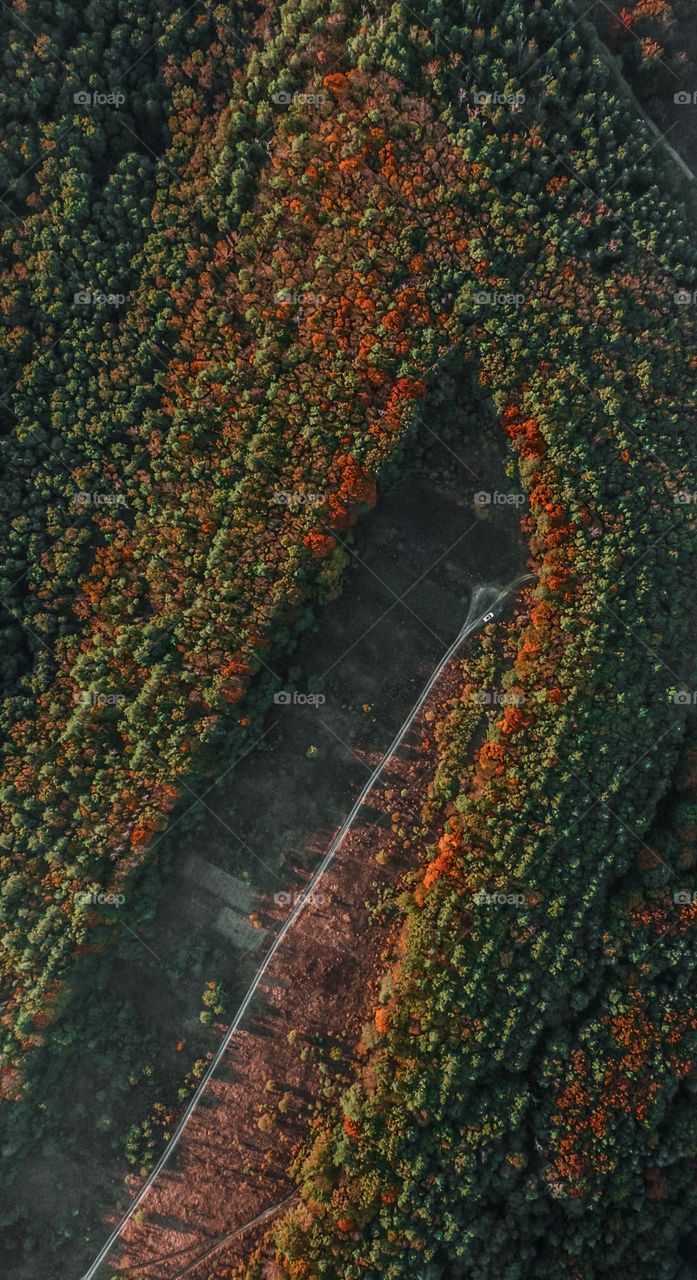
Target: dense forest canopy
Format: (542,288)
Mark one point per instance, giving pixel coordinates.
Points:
(240,244)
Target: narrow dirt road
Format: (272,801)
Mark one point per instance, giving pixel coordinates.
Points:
(308,897)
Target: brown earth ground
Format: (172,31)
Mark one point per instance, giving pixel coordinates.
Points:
(323,985)
(415,565)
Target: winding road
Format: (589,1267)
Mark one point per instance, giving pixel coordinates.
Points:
(472,624)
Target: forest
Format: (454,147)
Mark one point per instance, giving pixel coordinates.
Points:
(241,243)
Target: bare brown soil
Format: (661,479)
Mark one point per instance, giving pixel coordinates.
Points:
(415,563)
(323,984)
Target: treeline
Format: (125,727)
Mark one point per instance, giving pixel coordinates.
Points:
(516,1117)
(655,45)
(565,1159)
(339,201)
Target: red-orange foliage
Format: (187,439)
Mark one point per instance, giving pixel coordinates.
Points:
(351,1128)
(319,543)
(449,846)
(381,1020)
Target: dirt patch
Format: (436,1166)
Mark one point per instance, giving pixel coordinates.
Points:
(257,833)
(320,989)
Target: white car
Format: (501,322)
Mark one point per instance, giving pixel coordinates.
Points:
(487,617)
